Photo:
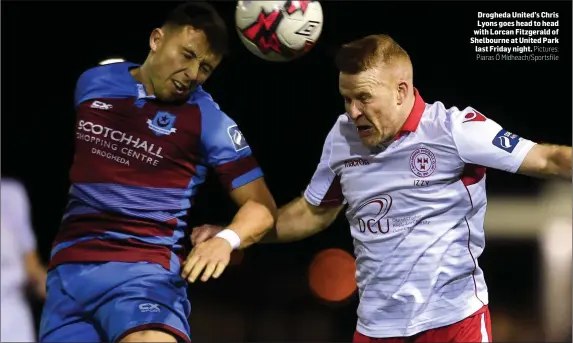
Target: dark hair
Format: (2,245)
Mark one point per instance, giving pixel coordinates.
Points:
(202,16)
(368,52)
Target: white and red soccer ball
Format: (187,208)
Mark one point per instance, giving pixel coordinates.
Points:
(279,31)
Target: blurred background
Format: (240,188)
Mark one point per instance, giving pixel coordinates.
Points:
(285,111)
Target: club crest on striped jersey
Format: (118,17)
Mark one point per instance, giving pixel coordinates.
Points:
(239,141)
(162,124)
(423,162)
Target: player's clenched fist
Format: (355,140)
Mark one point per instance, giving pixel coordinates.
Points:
(210,257)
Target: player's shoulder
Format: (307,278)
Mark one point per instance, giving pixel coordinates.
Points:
(343,120)
(342,129)
(343,126)
(206,103)
(213,118)
(110,80)
(464,114)
(108,72)
(439,115)
(342,134)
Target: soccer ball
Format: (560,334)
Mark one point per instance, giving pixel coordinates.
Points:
(278,31)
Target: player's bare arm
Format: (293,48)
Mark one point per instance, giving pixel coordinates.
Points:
(544,160)
(299,219)
(257,213)
(482,141)
(255,217)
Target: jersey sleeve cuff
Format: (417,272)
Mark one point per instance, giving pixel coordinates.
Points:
(235,174)
(246,178)
(526,146)
(317,201)
(311,198)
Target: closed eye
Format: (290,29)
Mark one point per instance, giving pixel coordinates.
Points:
(206,68)
(363,97)
(189,54)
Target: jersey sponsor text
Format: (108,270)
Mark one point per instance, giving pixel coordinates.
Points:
(129,146)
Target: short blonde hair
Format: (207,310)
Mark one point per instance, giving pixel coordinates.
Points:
(369,52)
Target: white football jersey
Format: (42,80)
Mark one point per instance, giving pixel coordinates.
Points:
(416,210)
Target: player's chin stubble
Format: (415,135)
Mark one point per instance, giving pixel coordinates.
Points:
(373,140)
(377,139)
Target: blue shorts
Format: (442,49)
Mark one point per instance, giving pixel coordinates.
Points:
(104,302)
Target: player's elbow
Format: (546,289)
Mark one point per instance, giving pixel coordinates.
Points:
(267,218)
(558,163)
(270,212)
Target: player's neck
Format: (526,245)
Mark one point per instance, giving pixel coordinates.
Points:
(407,108)
(140,75)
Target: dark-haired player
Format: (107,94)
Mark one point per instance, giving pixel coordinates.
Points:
(146,135)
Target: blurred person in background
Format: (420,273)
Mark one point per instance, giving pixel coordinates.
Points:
(21,265)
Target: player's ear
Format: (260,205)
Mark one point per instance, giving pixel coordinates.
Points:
(155,39)
(402,92)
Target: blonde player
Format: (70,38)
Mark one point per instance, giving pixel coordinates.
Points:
(21,265)
(412,176)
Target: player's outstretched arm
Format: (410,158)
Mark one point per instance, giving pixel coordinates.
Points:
(544,160)
(317,208)
(299,219)
(304,216)
(482,141)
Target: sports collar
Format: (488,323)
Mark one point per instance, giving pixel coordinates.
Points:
(414,117)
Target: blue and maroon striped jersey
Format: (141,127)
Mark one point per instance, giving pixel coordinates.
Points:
(137,165)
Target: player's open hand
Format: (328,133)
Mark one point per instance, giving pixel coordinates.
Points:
(210,257)
(202,233)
